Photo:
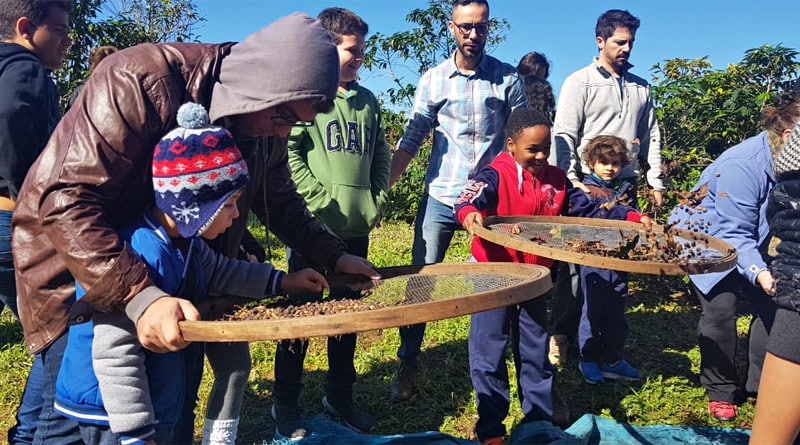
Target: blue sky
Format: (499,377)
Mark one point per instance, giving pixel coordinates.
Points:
(561,29)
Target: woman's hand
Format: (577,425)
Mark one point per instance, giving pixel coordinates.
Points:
(767,282)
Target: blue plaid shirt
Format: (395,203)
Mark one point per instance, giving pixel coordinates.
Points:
(468,114)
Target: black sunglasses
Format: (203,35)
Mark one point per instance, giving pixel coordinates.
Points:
(288,121)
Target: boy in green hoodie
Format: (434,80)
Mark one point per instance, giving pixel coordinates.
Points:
(341,168)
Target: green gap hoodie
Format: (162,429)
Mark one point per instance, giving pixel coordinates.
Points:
(341,165)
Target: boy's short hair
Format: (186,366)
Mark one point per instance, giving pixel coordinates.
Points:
(612,19)
(606,148)
(342,22)
(35,10)
(522,118)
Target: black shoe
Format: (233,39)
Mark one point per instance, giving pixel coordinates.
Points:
(561,413)
(403,383)
(349,413)
(287,422)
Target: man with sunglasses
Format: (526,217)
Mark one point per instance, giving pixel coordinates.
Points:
(95,174)
(465,100)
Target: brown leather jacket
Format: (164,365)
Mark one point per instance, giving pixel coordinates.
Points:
(94,177)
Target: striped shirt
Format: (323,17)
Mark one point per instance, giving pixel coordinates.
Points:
(467,113)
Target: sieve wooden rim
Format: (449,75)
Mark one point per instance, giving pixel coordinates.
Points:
(537,282)
(726,262)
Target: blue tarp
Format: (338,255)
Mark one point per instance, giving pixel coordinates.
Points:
(588,430)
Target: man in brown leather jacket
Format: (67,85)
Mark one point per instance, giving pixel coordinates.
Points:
(94,176)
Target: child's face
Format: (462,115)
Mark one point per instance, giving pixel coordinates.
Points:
(607,169)
(531,148)
(49,40)
(351,57)
(224,218)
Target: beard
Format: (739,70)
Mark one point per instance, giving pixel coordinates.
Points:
(471,49)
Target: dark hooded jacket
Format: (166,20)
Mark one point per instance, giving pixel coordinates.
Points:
(94,175)
(783,212)
(28,114)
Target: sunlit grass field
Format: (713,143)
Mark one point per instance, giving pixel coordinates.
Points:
(662,344)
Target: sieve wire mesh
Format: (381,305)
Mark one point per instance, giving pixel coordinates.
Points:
(395,291)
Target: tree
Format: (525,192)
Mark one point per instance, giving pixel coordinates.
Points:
(121,23)
(154,20)
(408,54)
(702,111)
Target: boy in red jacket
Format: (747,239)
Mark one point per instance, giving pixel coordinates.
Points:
(517,182)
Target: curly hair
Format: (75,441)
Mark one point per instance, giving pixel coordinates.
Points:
(605,148)
(522,118)
(98,54)
(782,113)
(534,64)
(540,95)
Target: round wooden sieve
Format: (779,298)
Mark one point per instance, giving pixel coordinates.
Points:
(692,252)
(413,294)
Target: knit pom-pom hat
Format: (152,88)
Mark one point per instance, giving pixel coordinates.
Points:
(196,168)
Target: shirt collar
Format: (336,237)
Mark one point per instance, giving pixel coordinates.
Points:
(352,90)
(605,72)
(480,68)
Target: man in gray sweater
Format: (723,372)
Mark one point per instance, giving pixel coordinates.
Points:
(603,98)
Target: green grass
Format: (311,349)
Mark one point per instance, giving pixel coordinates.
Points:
(662,344)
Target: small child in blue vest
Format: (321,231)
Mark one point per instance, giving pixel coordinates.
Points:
(603,328)
(518,181)
(134,396)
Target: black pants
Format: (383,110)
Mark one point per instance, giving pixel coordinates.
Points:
(716,335)
(290,354)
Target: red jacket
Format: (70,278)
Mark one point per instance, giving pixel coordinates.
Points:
(504,188)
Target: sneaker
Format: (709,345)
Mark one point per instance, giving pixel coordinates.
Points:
(403,383)
(723,411)
(287,422)
(350,414)
(492,441)
(591,372)
(558,350)
(622,370)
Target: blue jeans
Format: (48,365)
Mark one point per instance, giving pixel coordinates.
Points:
(434,228)
(37,421)
(8,289)
(290,354)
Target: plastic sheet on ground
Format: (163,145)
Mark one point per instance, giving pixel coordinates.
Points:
(588,430)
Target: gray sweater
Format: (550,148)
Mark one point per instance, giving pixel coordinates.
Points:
(593,103)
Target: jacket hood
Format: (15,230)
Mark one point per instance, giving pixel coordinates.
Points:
(291,59)
(9,50)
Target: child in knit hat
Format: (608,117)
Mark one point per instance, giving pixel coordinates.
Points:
(135,395)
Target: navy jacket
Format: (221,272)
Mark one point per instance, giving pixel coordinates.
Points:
(28,113)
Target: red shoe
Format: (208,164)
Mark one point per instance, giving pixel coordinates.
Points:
(492,441)
(723,411)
